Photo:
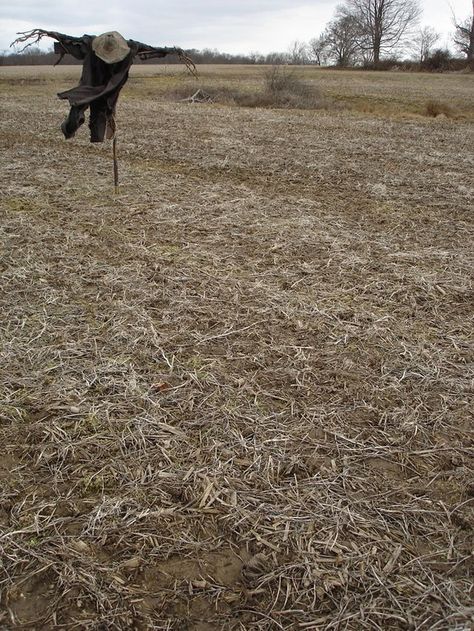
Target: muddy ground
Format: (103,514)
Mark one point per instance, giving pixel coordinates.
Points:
(238,394)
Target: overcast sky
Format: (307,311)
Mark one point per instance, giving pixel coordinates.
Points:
(235,27)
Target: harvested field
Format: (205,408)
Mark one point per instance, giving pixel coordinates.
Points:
(237,395)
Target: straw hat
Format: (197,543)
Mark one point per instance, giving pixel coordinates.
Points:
(110,47)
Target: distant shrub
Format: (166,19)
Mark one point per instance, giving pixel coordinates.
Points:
(437,108)
(442,60)
(283,88)
(283,79)
(389,63)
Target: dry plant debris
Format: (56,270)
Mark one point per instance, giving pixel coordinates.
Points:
(238,395)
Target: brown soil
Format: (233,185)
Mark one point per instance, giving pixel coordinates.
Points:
(238,394)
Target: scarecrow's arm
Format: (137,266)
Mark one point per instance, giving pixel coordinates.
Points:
(144,51)
(68,45)
(64,44)
(77,47)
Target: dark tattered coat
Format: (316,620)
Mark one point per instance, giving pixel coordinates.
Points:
(99,86)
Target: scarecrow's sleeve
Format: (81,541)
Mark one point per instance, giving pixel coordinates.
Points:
(144,51)
(69,45)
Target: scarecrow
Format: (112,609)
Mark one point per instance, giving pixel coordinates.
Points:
(106,61)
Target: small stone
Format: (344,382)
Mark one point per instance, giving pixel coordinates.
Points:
(132,564)
(80,546)
(199,584)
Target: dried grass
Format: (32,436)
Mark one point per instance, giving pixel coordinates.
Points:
(435,108)
(238,395)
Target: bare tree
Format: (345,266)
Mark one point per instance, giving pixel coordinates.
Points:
(256,58)
(317,50)
(464,36)
(276,59)
(423,42)
(342,37)
(384,23)
(298,53)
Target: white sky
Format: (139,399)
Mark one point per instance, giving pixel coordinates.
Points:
(236,27)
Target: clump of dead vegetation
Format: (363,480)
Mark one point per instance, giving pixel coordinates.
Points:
(435,108)
(280,87)
(283,88)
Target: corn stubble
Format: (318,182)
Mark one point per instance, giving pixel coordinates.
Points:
(237,394)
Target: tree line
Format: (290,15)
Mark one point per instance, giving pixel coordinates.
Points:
(361,33)
(365,32)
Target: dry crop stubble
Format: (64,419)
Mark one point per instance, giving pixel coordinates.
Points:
(238,394)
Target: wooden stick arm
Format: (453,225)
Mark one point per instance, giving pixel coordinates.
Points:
(63,44)
(38,33)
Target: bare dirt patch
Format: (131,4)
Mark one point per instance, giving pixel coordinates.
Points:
(239,393)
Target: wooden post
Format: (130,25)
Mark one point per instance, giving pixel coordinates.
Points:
(116,174)
(112,134)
